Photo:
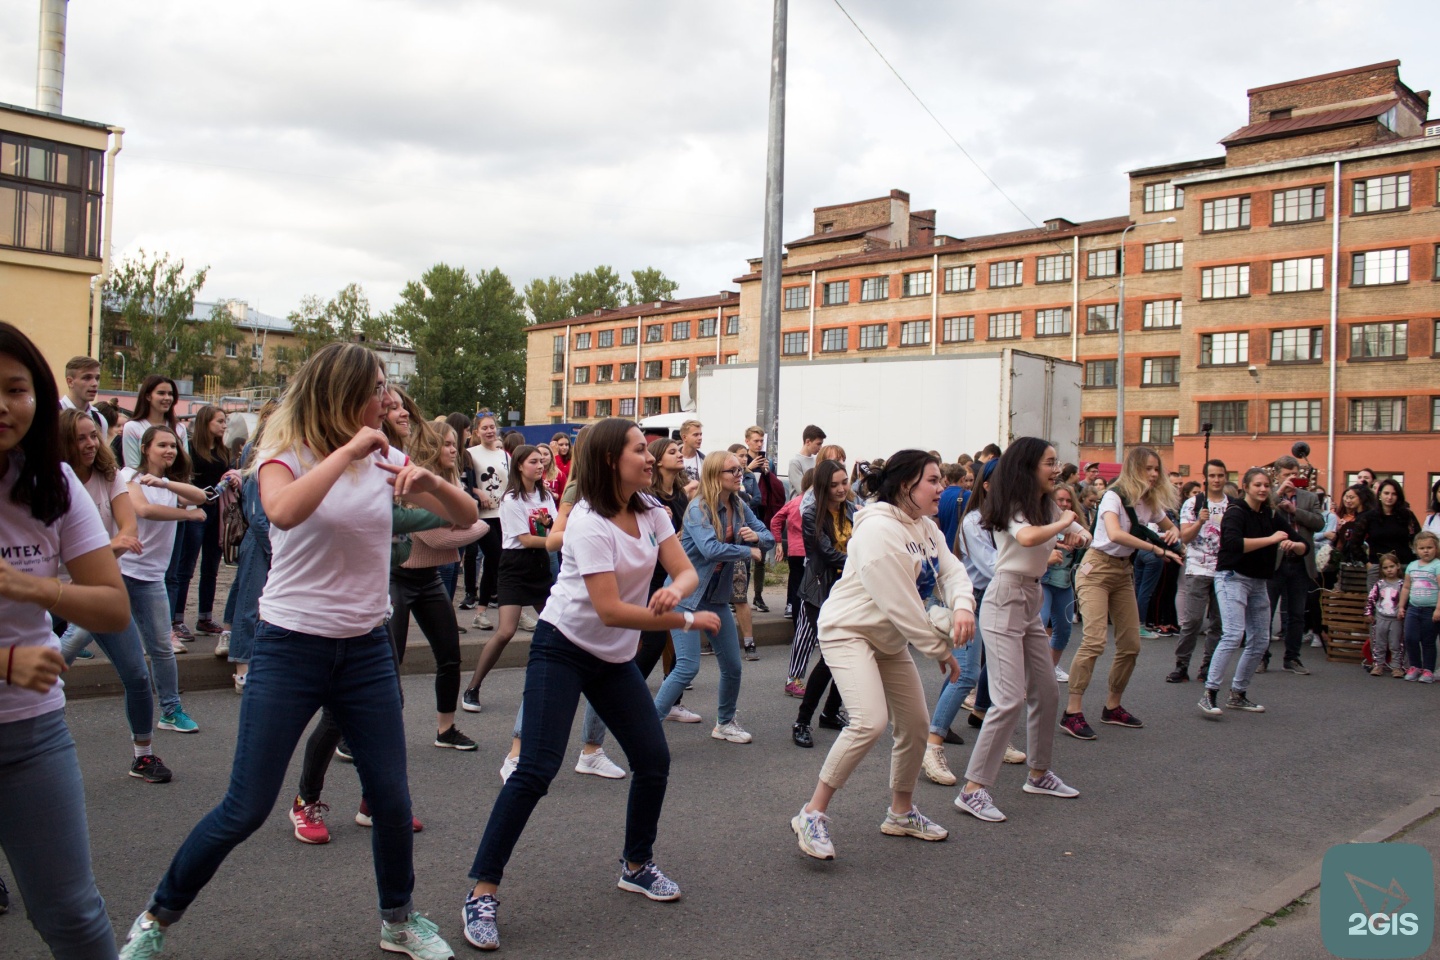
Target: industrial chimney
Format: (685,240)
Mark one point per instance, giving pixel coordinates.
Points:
(50,70)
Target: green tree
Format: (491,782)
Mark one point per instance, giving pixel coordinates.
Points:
(548,299)
(468,333)
(345,316)
(598,289)
(651,285)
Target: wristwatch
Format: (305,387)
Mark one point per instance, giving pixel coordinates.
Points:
(689,619)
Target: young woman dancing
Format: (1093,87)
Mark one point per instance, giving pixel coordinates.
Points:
(668,487)
(827,525)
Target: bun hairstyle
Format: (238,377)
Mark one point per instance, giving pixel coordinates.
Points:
(895,478)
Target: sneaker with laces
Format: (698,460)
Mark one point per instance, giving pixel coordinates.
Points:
(1426,676)
(1238,701)
(151,769)
(1397,674)
(178,629)
(760,605)
(177,644)
(731,731)
(1412,674)
(1075,725)
(1050,786)
(599,765)
(222,646)
(179,721)
(363,818)
(478,916)
(145,940)
(935,766)
(750,652)
(507,768)
(416,936)
(470,701)
(1148,634)
(1296,667)
(912,824)
(839,721)
(801,736)
(470,602)
(342,752)
(682,714)
(795,688)
(309,821)
(649,881)
(1377,670)
(210,627)
(979,804)
(812,828)
(1061,676)
(454,739)
(482,620)
(1012,755)
(1208,704)
(1120,717)
(528,623)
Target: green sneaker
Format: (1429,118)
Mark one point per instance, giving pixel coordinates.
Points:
(179,721)
(145,940)
(1147,634)
(415,937)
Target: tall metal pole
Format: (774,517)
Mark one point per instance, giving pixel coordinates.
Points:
(767,400)
(1120,346)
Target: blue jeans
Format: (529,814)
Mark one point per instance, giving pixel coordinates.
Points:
(242,606)
(449,572)
(1148,568)
(557,675)
(46,838)
(189,535)
(952,695)
(291,677)
(1057,606)
(726,645)
(1420,630)
(1244,616)
(592,731)
(150,615)
(127,656)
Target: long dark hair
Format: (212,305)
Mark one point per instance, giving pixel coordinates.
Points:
(1434,506)
(1017,492)
(142,398)
(515,484)
(1400,503)
(598,459)
(179,470)
(901,472)
(824,517)
(40,485)
(205,446)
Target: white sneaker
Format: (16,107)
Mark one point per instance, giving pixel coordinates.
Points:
(935,766)
(528,623)
(1013,756)
(1051,786)
(482,620)
(507,768)
(731,731)
(599,765)
(176,644)
(239,679)
(1061,676)
(222,646)
(813,831)
(680,714)
(912,824)
(980,805)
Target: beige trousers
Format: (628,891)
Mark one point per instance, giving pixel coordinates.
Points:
(876,685)
(1105,590)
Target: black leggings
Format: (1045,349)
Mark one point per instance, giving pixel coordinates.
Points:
(421,592)
(819,680)
(489,546)
(319,750)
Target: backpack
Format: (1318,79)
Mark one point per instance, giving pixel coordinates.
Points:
(232,522)
(1138,529)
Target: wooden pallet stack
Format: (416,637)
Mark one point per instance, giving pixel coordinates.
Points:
(1343,613)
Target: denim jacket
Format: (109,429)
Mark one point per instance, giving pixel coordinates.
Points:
(715,558)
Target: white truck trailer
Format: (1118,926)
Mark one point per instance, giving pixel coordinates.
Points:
(873,407)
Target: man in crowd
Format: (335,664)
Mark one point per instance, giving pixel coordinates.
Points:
(991,452)
(1197,603)
(82,383)
(1295,578)
(691,434)
(811,441)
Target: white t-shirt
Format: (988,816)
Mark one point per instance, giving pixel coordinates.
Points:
(1011,557)
(134,432)
(38,549)
(157,537)
(492,470)
(101,423)
(102,492)
(1205,548)
(595,545)
(330,574)
(692,464)
(515,518)
(1110,503)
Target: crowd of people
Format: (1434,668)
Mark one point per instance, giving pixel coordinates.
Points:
(348,513)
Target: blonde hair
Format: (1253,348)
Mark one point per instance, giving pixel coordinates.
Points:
(321,409)
(711,490)
(1135,488)
(551,471)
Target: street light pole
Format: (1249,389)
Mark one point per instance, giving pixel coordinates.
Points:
(1120,346)
(767,406)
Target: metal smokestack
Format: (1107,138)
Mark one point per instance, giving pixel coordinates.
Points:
(50,71)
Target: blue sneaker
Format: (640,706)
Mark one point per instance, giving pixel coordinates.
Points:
(179,721)
(479,917)
(649,881)
(145,940)
(415,936)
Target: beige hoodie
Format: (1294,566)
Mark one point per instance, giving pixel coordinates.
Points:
(876,598)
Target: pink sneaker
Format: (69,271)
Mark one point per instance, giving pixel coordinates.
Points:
(795,688)
(1412,674)
(309,821)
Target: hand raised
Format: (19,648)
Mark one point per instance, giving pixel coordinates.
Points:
(365,442)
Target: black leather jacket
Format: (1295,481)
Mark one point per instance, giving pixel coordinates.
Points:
(823,563)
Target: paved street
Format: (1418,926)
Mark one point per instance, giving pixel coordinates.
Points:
(1176,823)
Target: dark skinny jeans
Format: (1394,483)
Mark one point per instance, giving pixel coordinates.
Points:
(422,593)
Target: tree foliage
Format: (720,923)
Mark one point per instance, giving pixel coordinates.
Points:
(345,316)
(600,289)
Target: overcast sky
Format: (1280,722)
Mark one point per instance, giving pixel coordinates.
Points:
(297,146)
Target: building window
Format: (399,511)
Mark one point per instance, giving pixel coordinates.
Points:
(680,330)
(582,341)
(627,406)
(653,369)
(1296,345)
(795,343)
(874,288)
(835,340)
(580,409)
(1099,373)
(1374,267)
(1052,323)
(704,361)
(1100,318)
(1004,326)
(1375,194)
(1377,415)
(1161,314)
(1099,431)
(1221,349)
(628,336)
(1434,418)
(1102,263)
(1294,416)
(603,408)
(1221,283)
(1163,196)
(232,350)
(604,373)
(606,338)
(836,293)
(1007,273)
(582,374)
(672,405)
(651,406)
(1297,276)
(557,359)
(627,372)
(679,367)
(1160,371)
(49,196)
(914,333)
(874,336)
(1228,416)
(1169,255)
(1376,340)
(1230,213)
(1159,430)
(1053,269)
(1437,258)
(1298,205)
(257,352)
(557,392)
(959,329)
(960,279)
(916,284)
(732,325)
(174,344)
(708,326)
(797,298)
(655,333)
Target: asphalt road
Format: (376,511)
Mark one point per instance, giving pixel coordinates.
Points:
(1174,823)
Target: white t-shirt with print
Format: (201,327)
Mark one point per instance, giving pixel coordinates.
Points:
(515,518)
(1110,503)
(1205,548)
(157,537)
(330,573)
(693,464)
(38,549)
(595,545)
(492,471)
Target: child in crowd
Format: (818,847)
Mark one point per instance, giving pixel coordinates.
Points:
(1387,634)
(1418,607)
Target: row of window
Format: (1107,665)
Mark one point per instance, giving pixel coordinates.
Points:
(624,407)
(1297,205)
(1367,415)
(651,370)
(654,333)
(122,338)
(1154,372)
(1369,268)
(1368,341)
